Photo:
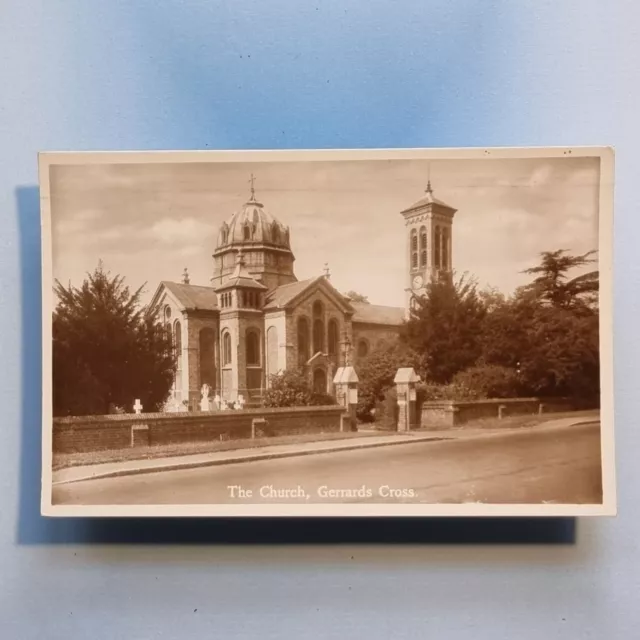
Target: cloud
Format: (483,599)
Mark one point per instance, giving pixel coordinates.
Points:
(540,176)
(78,222)
(177,230)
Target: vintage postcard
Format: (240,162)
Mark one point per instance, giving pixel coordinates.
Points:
(407,332)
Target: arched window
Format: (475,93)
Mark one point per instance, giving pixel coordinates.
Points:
(445,248)
(226,348)
(167,313)
(247,231)
(414,249)
(363,348)
(437,253)
(272,351)
(168,332)
(303,340)
(177,340)
(333,337)
(318,327)
(318,336)
(423,246)
(253,347)
(177,351)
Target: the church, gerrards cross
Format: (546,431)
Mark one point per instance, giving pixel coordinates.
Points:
(257,318)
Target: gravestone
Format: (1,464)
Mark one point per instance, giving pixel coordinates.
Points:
(205,402)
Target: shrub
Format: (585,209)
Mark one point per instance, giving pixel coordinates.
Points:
(386,410)
(321,399)
(292,388)
(490,381)
(455,391)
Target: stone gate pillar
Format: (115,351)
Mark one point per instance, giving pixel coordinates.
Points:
(406,380)
(346,384)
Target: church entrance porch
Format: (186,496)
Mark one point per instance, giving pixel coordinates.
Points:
(320,369)
(320,380)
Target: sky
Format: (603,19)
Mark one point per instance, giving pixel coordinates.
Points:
(148,222)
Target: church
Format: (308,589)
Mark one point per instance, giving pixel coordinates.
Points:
(257,319)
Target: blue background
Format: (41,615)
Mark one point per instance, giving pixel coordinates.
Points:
(292,74)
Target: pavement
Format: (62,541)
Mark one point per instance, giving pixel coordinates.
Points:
(273,452)
(555,463)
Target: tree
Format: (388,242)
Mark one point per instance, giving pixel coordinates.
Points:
(354,296)
(108,349)
(562,356)
(548,330)
(444,328)
(376,373)
(551,285)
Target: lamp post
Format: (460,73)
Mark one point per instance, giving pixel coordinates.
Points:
(346,349)
(346,384)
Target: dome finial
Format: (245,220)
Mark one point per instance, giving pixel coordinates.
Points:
(327,273)
(185,276)
(252,181)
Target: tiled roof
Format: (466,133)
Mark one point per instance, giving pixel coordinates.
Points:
(192,296)
(377,314)
(428,199)
(246,283)
(281,296)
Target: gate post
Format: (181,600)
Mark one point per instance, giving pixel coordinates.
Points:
(406,380)
(346,383)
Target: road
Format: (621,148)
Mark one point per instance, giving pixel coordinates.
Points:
(559,465)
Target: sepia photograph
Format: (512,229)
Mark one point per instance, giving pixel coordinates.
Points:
(415,332)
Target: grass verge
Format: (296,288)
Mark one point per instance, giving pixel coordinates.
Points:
(66,460)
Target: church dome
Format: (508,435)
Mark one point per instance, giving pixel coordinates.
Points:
(253,224)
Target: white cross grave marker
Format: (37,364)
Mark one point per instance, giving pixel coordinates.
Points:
(137,407)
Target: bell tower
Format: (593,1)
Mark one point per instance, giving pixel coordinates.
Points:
(428,251)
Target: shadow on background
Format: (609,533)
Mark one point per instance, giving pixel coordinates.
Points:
(35,529)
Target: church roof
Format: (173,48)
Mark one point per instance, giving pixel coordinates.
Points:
(429,198)
(377,314)
(286,294)
(193,297)
(252,224)
(283,294)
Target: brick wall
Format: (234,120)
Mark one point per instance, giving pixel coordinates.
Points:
(96,433)
(449,413)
